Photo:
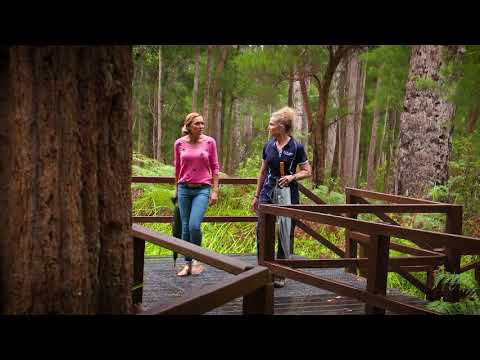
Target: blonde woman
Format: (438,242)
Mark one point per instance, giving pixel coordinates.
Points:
(196,178)
(281,156)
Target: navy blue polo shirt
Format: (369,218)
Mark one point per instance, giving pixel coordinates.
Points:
(293,154)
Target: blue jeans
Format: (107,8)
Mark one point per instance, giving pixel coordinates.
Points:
(192,203)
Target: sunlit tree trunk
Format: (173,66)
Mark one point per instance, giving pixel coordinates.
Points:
(65,244)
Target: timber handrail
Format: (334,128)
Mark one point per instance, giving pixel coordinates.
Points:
(461,243)
(223,262)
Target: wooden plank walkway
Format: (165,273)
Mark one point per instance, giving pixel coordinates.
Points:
(161,286)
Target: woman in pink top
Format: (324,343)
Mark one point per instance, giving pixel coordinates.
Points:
(196,177)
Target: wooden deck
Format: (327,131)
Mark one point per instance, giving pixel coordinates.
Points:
(162,286)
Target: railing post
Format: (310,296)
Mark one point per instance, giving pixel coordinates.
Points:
(350,244)
(377,270)
(259,302)
(454,226)
(138,265)
(266,241)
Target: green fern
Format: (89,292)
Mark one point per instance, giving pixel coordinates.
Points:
(469,289)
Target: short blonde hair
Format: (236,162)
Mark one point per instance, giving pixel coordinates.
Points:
(188,121)
(285,117)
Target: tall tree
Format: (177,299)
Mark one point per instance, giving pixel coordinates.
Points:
(425,126)
(195,79)
(159,106)
(215,123)
(65,242)
(373,139)
(206,92)
(354,92)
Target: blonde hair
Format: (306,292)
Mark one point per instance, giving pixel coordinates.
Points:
(285,117)
(188,122)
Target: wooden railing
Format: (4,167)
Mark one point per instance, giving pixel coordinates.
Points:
(435,248)
(253,283)
(369,259)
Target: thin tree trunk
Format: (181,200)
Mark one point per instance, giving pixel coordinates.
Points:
(227,159)
(342,121)
(66,246)
(301,123)
(207,86)
(350,146)
(334,171)
(234,137)
(472,118)
(195,79)
(358,120)
(373,139)
(290,88)
(159,106)
(214,120)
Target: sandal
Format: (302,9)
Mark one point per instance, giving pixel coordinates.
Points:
(187,270)
(197,268)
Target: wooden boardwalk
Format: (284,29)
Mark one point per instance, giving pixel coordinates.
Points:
(162,286)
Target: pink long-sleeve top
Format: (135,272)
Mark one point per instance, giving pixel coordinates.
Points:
(196,163)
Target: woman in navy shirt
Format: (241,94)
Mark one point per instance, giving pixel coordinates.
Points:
(282,148)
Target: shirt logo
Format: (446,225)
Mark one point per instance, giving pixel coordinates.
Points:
(287,153)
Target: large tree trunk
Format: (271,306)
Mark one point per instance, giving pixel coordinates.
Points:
(207,86)
(65,180)
(195,79)
(158,153)
(373,139)
(425,127)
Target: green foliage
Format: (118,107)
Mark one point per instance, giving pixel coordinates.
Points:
(464,182)
(469,303)
(439,193)
(425,83)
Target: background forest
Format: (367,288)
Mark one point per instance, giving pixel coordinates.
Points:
(392,118)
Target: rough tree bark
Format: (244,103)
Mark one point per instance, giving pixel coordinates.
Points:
(425,127)
(65,180)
